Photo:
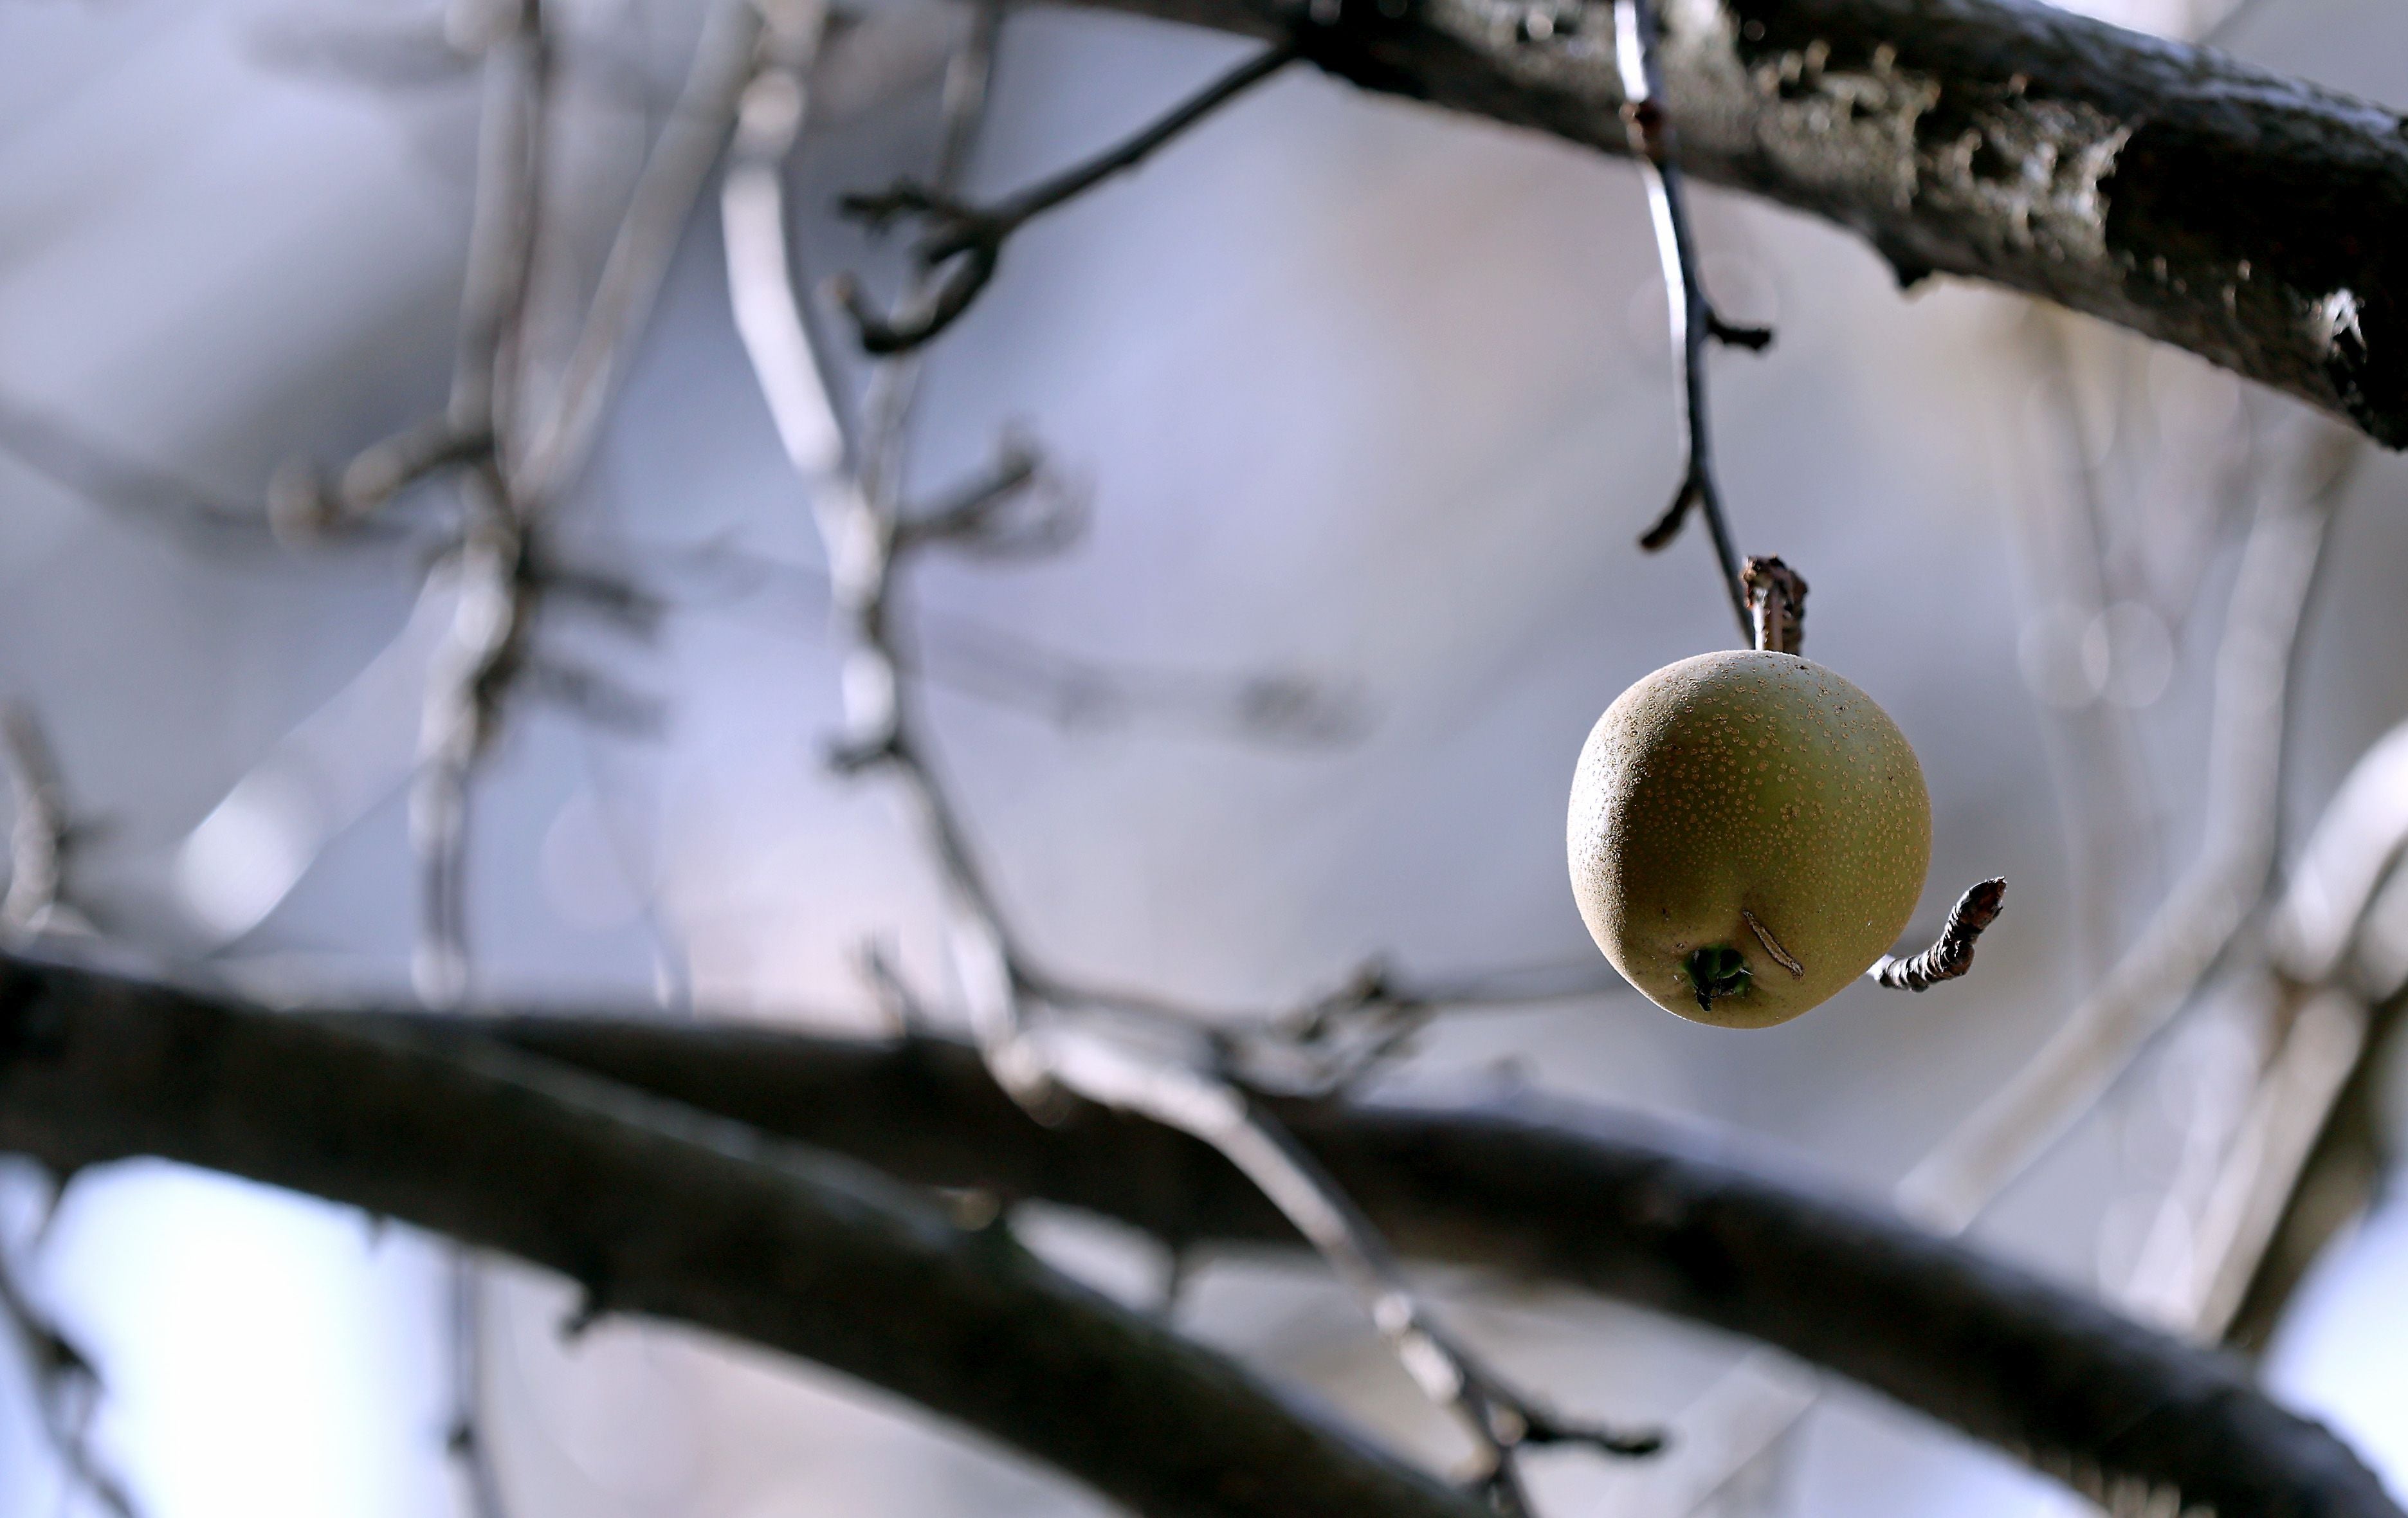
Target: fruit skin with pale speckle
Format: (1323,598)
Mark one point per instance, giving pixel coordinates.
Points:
(1739,784)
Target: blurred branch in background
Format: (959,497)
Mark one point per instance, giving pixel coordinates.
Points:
(1186,1081)
(2216,1221)
(136,493)
(2341,923)
(485,648)
(2216,892)
(2074,645)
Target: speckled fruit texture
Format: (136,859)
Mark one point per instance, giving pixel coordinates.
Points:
(1747,783)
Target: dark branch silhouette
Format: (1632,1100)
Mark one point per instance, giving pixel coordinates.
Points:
(657,1209)
(567,1142)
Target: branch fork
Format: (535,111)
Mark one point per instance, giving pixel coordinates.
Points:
(961,244)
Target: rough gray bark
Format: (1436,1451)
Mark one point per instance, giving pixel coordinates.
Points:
(2252,219)
(662,1211)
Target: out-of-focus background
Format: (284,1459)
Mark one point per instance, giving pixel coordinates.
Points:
(1357,393)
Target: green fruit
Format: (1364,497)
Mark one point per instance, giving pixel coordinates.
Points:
(1737,811)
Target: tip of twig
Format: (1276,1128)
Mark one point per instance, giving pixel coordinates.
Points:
(1732,335)
(580,1321)
(850,756)
(1668,527)
(300,510)
(878,209)
(1629,1445)
(1978,907)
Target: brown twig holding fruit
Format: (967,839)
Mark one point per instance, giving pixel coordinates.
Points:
(1695,322)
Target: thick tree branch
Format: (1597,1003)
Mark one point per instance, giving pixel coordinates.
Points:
(2249,218)
(1550,1191)
(660,1210)
(433,1119)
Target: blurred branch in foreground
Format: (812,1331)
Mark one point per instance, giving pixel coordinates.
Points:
(448,1126)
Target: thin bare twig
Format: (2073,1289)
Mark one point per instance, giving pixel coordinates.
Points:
(1211,1107)
(1694,319)
(1951,954)
(978,516)
(1334,1043)
(961,244)
(136,491)
(485,647)
(666,191)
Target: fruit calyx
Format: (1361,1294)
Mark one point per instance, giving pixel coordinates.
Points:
(1715,972)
